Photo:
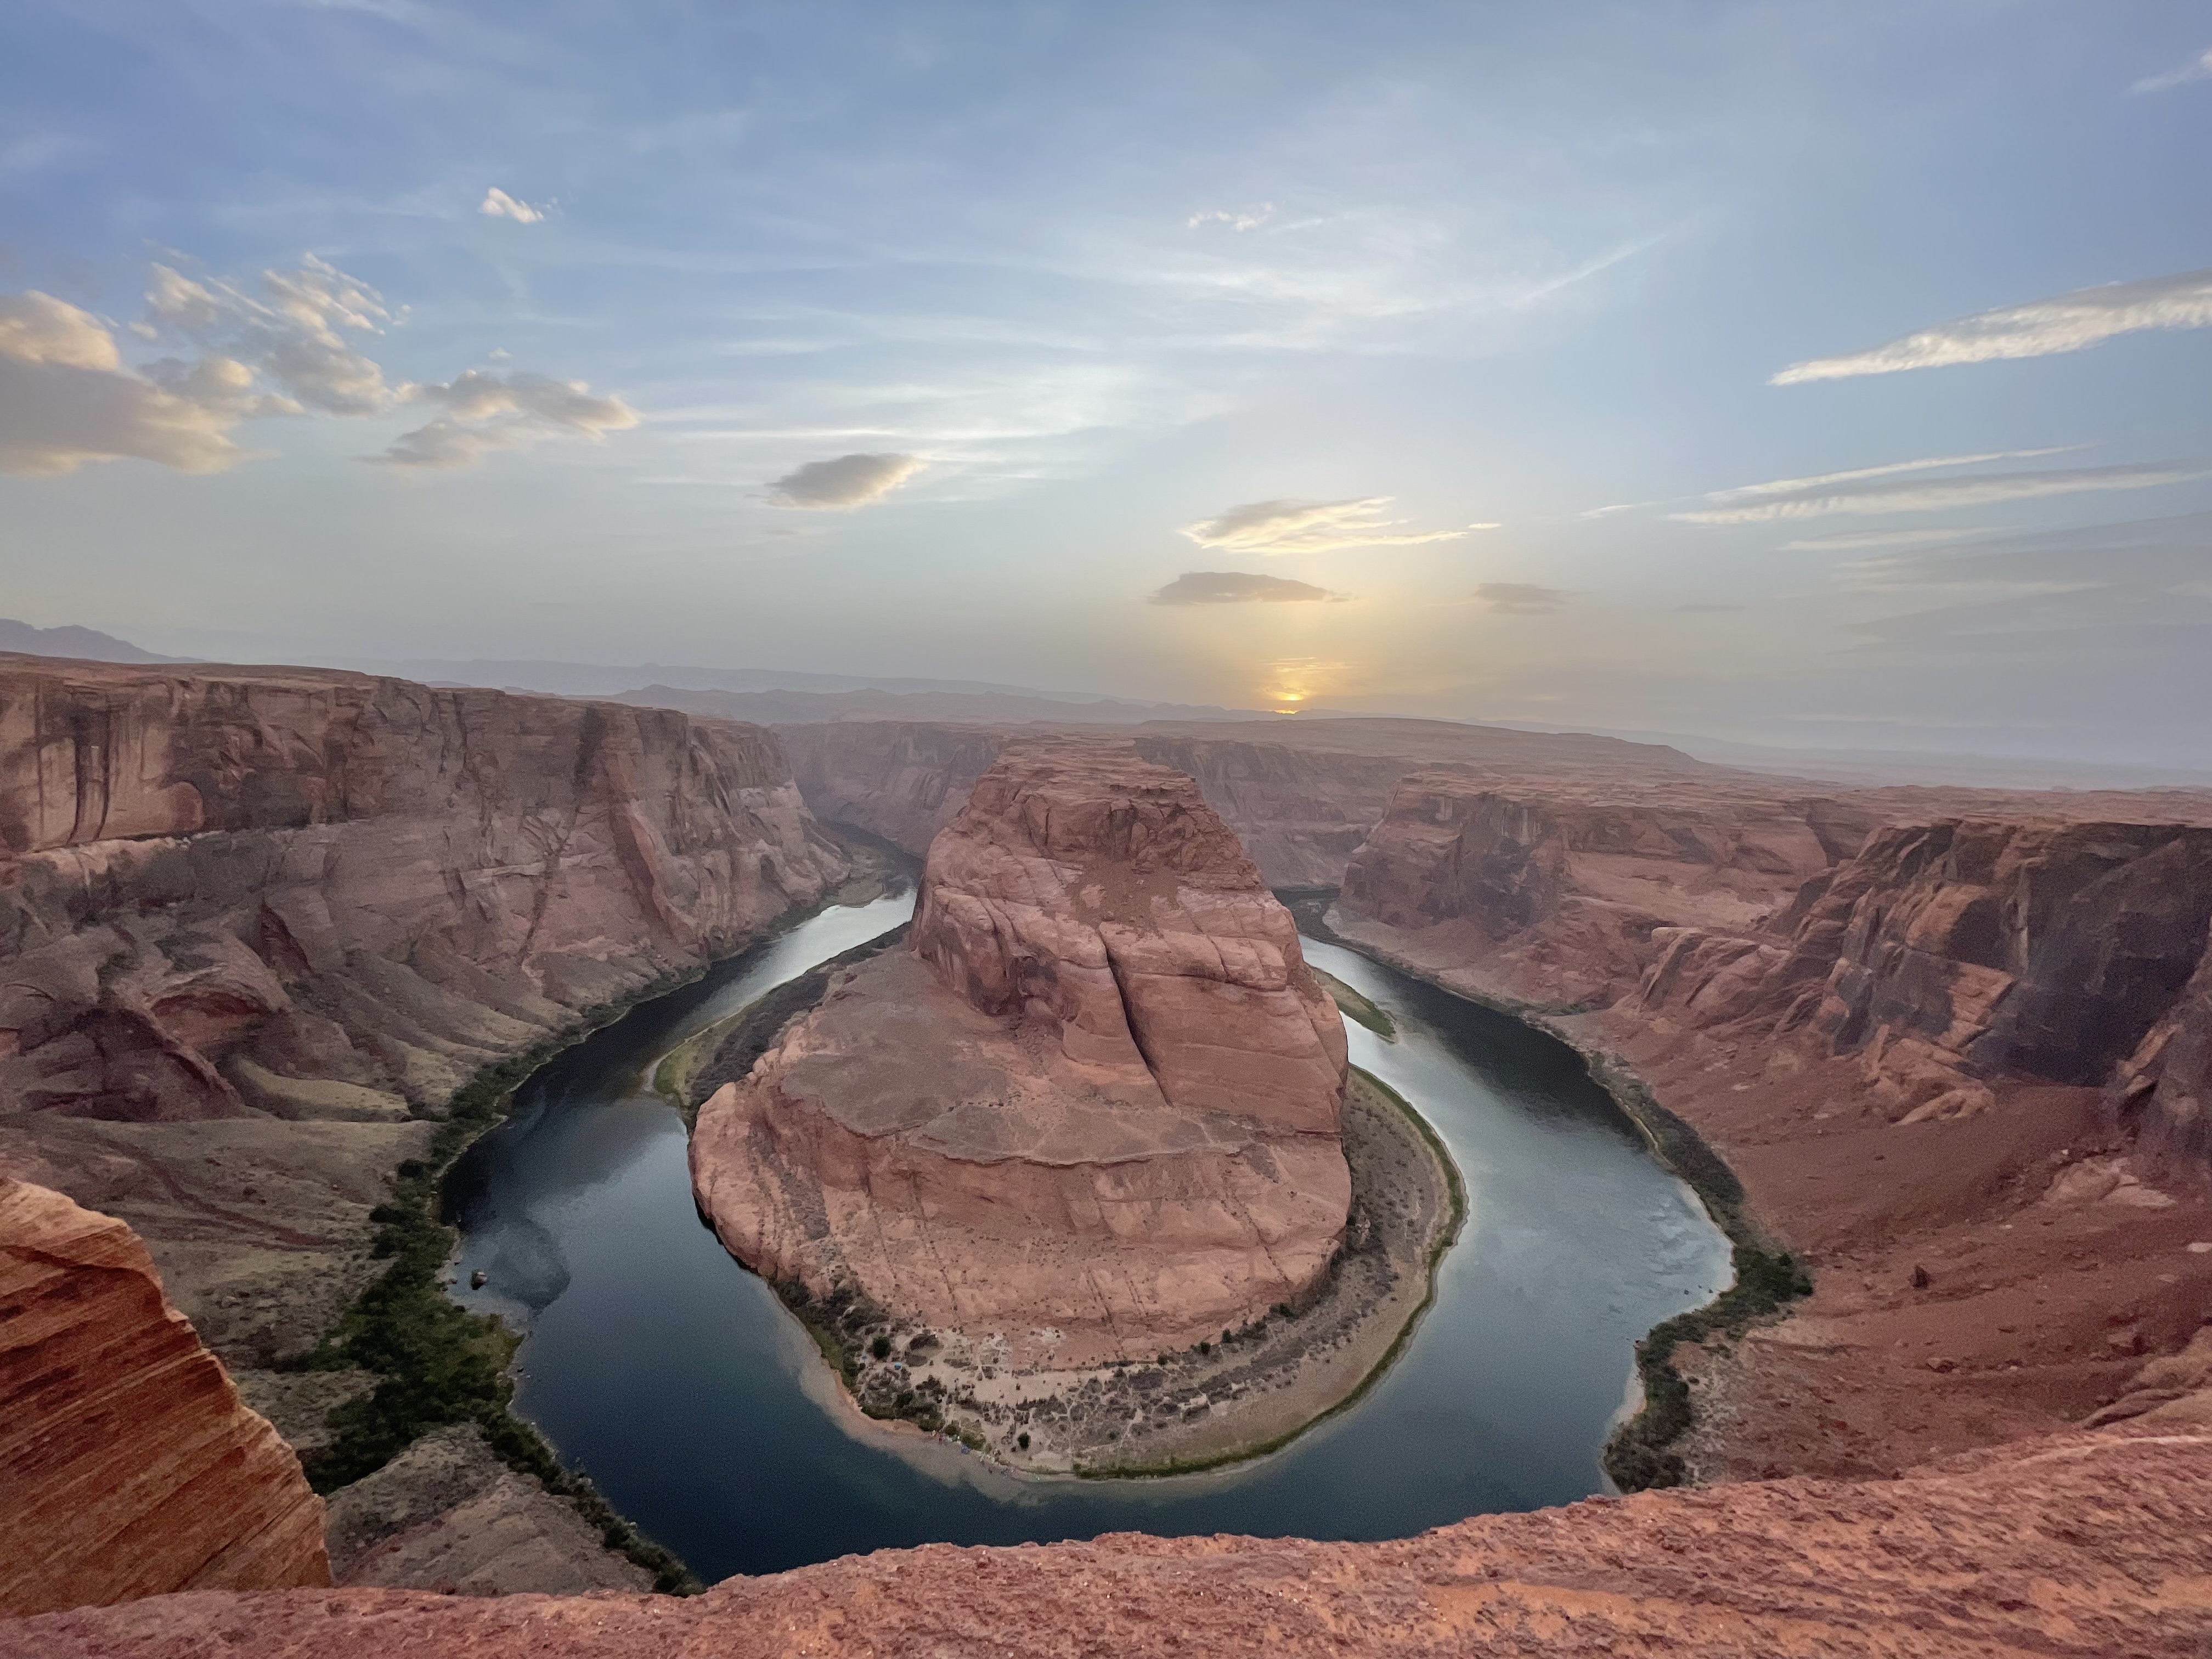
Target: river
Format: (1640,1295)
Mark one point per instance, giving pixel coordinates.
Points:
(679,1382)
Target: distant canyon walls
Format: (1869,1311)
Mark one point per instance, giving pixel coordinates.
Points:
(127,1464)
(1942,955)
(324,894)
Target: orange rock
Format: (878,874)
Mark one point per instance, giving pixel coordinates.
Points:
(2080,1546)
(129,1466)
(1093,1115)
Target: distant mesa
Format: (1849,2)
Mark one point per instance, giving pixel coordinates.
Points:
(85,644)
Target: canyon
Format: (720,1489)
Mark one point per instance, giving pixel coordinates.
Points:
(1092,1114)
(260,925)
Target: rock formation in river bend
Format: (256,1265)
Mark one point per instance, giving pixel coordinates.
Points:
(254,920)
(1093,1111)
(128,1467)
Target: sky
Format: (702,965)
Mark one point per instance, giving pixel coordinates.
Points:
(1822,376)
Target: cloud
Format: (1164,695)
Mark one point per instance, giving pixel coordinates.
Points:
(1236,588)
(66,397)
(1706,609)
(1853,540)
(481,412)
(849,481)
(2041,328)
(1250,218)
(2144,556)
(2199,69)
(1937,495)
(1519,598)
(294,332)
(498,204)
(1279,527)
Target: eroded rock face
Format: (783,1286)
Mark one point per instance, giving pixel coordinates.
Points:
(128,1465)
(2080,1546)
(1559,891)
(319,895)
(1093,1115)
(1950,954)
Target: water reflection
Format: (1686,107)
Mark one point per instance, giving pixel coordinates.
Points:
(677,1379)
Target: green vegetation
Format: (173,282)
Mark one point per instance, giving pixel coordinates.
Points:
(437,1365)
(1355,1007)
(1638,1456)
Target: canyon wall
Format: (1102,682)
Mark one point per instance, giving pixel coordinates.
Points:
(1093,1114)
(1300,795)
(128,1466)
(258,924)
(2079,1547)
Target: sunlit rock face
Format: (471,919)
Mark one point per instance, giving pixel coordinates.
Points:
(1094,1112)
(128,1466)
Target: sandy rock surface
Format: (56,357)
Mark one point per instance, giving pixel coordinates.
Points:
(128,1467)
(2083,1546)
(1092,1116)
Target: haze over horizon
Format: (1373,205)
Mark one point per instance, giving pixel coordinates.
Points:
(1785,377)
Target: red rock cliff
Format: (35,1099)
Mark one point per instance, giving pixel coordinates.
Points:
(128,1465)
(217,886)
(1093,1115)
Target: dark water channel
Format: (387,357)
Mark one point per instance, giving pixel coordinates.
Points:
(679,1383)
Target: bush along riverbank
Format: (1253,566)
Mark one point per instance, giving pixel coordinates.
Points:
(435,1362)
(1640,1454)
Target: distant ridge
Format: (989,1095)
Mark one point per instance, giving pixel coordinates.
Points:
(87,644)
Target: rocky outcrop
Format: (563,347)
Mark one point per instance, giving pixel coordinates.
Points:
(1557,894)
(1093,1115)
(1948,955)
(2083,1546)
(256,923)
(128,1466)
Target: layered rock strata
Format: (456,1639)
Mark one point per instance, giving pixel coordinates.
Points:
(255,923)
(1092,1115)
(2081,1547)
(128,1464)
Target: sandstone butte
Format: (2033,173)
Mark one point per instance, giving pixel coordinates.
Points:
(1092,1116)
(2081,1546)
(127,1465)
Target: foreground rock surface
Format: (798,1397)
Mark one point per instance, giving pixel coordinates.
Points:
(2083,1546)
(128,1466)
(1093,1115)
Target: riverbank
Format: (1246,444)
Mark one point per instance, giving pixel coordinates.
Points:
(1645,1450)
(1253,1390)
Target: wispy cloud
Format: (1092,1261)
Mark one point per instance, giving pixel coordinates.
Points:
(1250,218)
(1939,494)
(2198,69)
(298,332)
(481,413)
(1888,468)
(1852,541)
(1519,598)
(1285,526)
(2041,328)
(848,481)
(1238,587)
(498,204)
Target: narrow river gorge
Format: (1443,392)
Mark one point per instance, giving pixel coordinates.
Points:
(677,1379)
